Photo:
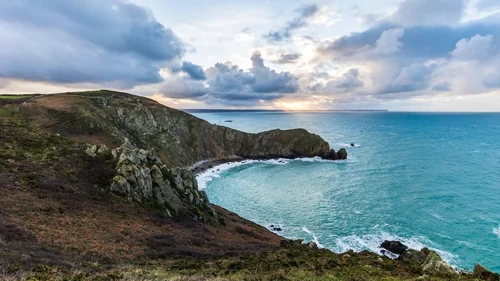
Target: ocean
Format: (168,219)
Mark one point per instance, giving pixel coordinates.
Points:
(426,179)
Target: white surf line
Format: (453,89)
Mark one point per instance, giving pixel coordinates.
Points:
(497,231)
(208,175)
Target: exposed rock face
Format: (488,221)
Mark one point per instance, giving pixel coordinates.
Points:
(161,140)
(430,261)
(180,139)
(394,247)
(332,155)
(482,273)
(142,177)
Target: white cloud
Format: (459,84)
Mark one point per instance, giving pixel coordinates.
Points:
(476,48)
(389,42)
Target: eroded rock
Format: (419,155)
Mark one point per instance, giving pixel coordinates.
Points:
(394,247)
(142,177)
(480,272)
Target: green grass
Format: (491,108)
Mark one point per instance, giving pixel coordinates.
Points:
(14,97)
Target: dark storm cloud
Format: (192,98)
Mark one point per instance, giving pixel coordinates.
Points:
(92,41)
(304,14)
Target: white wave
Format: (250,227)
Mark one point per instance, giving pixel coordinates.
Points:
(215,172)
(315,238)
(497,231)
(372,242)
(348,145)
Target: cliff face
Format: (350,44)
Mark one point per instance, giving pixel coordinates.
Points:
(58,220)
(180,139)
(153,144)
(142,177)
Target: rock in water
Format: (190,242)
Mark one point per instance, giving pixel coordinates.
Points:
(480,272)
(394,247)
(331,155)
(342,154)
(352,144)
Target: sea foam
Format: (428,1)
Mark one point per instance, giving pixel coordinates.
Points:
(215,172)
(372,242)
(497,231)
(315,238)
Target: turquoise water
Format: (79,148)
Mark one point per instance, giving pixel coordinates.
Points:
(427,179)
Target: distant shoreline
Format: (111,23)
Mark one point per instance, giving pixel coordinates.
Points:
(277,110)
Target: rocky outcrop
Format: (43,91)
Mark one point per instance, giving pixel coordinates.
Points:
(394,247)
(332,155)
(142,177)
(180,139)
(161,141)
(430,262)
(480,272)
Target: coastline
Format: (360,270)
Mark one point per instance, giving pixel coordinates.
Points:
(203,166)
(213,168)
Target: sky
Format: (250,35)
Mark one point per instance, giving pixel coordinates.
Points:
(399,55)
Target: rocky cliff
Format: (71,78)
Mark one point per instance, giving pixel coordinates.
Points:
(60,156)
(142,177)
(153,144)
(180,139)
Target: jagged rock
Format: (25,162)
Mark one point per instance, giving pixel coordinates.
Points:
(331,155)
(312,245)
(480,272)
(342,154)
(394,247)
(93,150)
(142,177)
(433,264)
(429,260)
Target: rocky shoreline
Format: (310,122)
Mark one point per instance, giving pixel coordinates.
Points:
(80,204)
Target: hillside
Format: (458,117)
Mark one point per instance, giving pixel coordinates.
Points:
(94,187)
(105,117)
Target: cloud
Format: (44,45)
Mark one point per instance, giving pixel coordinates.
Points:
(194,71)
(476,48)
(389,42)
(348,81)
(418,42)
(228,84)
(182,88)
(114,42)
(288,58)
(429,12)
(492,81)
(370,18)
(487,4)
(305,13)
(415,77)
(442,87)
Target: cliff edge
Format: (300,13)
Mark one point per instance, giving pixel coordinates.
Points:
(180,139)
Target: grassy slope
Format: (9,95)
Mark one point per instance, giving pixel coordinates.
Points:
(58,223)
